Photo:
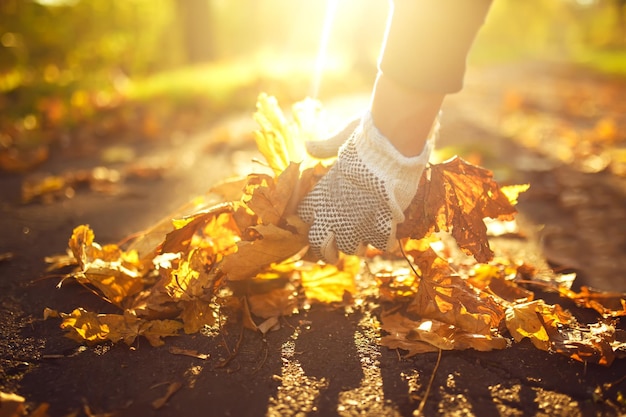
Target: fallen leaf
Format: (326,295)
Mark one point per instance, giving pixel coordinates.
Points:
(269,199)
(607,303)
(196,314)
(187,352)
(11,405)
(446,297)
(492,279)
(525,321)
(156,330)
(277,302)
(171,390)
(6,256)
(86,326)
(269,324)
(327,283)
(281,141)
(273,245)
(116,274)
(428,335)
(179,239)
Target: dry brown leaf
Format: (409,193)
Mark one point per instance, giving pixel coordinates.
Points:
(191,278)
(114,273)
(179,239)
(456,196)
(396,284)
(278,139)
(269,197)
(428,335)
(595,343)
(528,319)
(274,303)
(171,390)
(450,300)
(491,278)
(156,330)
(86,326)
(196,314)
(187,352)
(446,297)
(607,303)
(273,245)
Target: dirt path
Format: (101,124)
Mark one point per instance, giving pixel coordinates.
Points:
(324,361)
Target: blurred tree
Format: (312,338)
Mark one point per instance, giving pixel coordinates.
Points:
(80,39)
(620,12)
(194,18)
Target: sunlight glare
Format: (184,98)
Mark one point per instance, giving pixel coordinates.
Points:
(57,3)
(329,17)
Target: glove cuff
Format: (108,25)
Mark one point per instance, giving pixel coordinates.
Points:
(400,174)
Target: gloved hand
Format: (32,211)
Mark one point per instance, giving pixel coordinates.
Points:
(363,196)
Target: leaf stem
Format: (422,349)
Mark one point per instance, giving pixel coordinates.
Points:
(406,258)
(420,409)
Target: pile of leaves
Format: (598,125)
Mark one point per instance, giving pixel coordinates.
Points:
(243,257)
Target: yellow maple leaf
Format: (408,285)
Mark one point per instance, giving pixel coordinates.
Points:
(512,192)
(196,314)
(86,326)
(279,140)
(428,335)
(328,283)
(156,330)
(113,272)
(522,321)
(191,278)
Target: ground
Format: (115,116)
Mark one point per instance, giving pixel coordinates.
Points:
(326,361)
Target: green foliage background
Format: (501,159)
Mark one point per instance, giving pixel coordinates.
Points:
(54,48)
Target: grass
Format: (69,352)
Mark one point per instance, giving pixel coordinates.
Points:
(610,61)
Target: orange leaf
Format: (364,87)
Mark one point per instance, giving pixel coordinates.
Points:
(116,274)
(456,196)
(522,321)
(156,330)
(549,327)
(428,335)
(196,314)
(276,302)
(269,200)
(179,239)
(86,326)
(443,296)
(273,245)
(450,300)
(608,304)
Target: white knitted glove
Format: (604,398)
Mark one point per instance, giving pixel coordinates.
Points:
(362,198)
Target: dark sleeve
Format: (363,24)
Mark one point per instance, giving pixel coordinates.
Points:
(427,42)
